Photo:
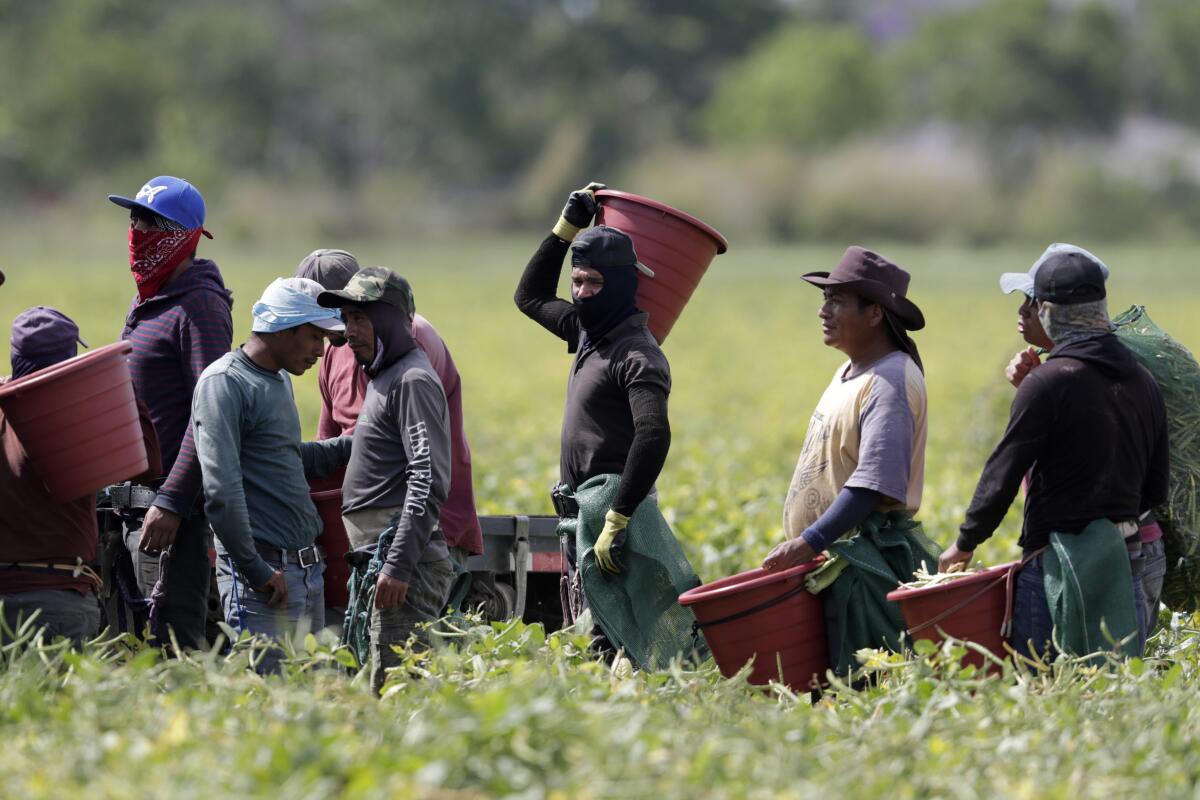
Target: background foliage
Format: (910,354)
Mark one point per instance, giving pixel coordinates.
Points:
(371,116)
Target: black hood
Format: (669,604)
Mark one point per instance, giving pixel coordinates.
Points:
(1105,352)
(393,335)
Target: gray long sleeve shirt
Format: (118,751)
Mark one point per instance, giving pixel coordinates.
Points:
(247,434)
(401,457)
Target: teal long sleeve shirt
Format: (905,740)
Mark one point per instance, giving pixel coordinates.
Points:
(254,465)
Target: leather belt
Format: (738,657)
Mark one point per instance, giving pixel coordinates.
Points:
(305,557)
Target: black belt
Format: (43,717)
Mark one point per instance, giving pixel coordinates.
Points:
(306,556)
(129,496)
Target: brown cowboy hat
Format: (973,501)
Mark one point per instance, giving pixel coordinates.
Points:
(872,276)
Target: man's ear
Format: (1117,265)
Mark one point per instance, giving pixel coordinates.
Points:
(876,312)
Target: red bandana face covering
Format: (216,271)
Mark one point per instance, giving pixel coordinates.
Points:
(154,255)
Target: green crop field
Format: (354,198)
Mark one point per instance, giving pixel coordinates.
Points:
(510,712)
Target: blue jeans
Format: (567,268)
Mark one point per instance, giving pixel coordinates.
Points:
(1032,627)
(1154,569)
(246,609)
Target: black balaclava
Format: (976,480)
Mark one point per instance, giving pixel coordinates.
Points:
(393,334)
(613,304)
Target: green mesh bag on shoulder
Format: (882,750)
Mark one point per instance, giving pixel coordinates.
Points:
(1178,377)
(638,609)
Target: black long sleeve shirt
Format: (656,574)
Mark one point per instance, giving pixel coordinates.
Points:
(1091,424)
(615,419)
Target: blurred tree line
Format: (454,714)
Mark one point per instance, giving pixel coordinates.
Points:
(489,109)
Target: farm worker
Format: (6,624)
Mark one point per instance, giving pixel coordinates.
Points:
(178,323)
(48,547)
(254,464)
(399,470)
(861,469)
(1148,556)
(615,419)
(1089,427)
(343,384)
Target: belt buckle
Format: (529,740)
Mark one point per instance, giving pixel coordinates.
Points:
(311,549)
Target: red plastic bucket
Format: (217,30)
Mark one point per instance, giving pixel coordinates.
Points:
(78,421)
(333,538)
(768,617)
(973,609)
(677,246)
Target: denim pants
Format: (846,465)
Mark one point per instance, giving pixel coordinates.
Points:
(185,600)
(61,612)
(247,609)
(1154,569)
(1032,626)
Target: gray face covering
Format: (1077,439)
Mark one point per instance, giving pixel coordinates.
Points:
(1066,323)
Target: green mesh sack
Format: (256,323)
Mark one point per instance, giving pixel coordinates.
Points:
(638,610)
(1178,377)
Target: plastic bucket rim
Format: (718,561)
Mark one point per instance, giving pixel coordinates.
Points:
(37,379)
(989,573)
(722,242)
(711,591)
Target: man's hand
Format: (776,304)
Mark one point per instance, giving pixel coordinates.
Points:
(1021,365)
(389,592)
(158,530)
(611,543)
(577,214)
(786,555)
(277,586)
(953,557)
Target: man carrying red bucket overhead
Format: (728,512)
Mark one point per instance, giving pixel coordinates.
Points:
(624,563)
(861,468)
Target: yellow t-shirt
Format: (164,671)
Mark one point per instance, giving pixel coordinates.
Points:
(867,431)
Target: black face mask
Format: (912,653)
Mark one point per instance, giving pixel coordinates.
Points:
(616,302)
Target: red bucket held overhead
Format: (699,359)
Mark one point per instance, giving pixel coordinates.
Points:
(677,246)
(334,541)
(78,421)
(975,609)
(768,617)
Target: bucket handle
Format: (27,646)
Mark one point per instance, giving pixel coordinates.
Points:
(763,606)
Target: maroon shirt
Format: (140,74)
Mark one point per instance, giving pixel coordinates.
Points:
(343,384)
(34,526)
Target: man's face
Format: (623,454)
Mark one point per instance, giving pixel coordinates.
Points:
(140,220)
(1030,327)
(844,324)
(300,347)
(586,282)
(360,334)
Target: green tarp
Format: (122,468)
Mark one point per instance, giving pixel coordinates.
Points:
(885,552)
(638,609)
(1089,588)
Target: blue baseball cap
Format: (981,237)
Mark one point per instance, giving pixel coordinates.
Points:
(173,198)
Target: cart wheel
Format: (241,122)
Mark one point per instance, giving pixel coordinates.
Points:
(505,603)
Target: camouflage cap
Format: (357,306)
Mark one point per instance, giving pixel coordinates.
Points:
(372,285)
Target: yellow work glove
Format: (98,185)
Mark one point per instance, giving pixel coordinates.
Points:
(578,212)
(612,542)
